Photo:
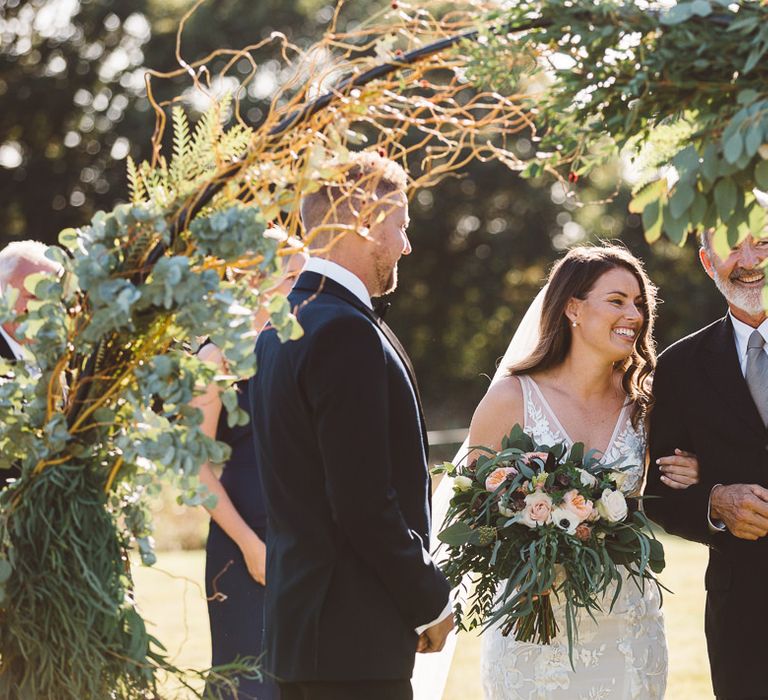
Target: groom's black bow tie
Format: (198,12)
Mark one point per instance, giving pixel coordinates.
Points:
(380,307)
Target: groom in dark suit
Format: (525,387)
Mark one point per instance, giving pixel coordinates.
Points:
(352,592)
(711,392)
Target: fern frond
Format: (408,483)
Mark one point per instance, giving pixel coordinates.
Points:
(135,183)
(235,141)
(181,142)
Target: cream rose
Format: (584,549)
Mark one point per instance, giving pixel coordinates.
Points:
(612,506)
(577,504)
(497,477)
(462,483)
(537,511)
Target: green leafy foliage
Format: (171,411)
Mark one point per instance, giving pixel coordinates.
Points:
(531,522)
(109,421)
(680,91)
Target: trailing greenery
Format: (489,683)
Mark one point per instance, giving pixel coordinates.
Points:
(530,522)
(108,421)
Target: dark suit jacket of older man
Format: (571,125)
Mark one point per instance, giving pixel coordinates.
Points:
(703,405)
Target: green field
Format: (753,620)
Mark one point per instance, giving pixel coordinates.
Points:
(172,598)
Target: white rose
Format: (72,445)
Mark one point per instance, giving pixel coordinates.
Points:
(462,483)
(763,151)
(612,506)
(586,478)
(618,478)
(565,519)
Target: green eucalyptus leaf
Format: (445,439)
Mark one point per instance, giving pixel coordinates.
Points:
(676,228)
(653,221)
(698,211)
(710,163)
(682,198)
(647,194)
(725,198)
(761,174)
(733,146)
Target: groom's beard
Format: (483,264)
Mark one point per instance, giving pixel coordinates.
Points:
(748,299)
(386,277)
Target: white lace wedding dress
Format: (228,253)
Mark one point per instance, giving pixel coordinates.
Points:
(622,656)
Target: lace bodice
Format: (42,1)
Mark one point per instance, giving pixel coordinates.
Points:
(622,653)
(626,448)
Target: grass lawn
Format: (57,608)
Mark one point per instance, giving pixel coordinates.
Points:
(172,599)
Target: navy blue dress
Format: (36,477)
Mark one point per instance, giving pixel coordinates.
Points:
(237,621)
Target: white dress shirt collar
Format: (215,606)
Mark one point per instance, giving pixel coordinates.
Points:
(348,280)
(16,349)
(741,333)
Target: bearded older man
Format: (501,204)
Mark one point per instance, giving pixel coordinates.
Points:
(711,392)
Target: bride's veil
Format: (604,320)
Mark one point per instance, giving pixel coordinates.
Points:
(431,671)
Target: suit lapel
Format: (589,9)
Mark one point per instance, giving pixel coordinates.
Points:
(721,363)
(318,284)
(5,349)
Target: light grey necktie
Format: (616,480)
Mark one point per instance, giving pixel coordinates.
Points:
(757,373)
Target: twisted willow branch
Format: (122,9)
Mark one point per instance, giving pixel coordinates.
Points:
(292,121)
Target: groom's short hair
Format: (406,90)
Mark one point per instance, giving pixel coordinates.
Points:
(367,173)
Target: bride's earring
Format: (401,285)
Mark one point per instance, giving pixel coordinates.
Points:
(575,323)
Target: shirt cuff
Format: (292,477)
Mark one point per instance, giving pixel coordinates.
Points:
(447,610)
(714,525)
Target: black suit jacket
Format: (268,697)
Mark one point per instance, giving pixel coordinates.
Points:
(703,405)
(341,448)
(13,472)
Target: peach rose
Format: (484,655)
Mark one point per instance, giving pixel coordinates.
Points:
(577,504)
(497,477)
(537,511)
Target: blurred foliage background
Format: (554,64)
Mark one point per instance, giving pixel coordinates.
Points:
(74,106)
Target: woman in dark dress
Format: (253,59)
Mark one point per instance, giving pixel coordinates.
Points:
(235,551)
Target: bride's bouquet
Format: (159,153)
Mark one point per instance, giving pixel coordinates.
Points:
(530,522)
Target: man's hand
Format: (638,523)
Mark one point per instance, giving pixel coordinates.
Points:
(433,638)
(743,508)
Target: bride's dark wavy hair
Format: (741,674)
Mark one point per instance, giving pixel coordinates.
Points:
(574,276)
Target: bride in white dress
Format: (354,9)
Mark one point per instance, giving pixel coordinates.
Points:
(585,378)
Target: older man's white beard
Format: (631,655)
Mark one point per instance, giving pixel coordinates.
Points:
(748,300)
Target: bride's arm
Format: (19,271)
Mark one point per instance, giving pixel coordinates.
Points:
(495,416)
